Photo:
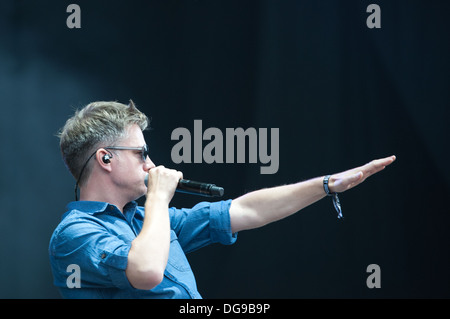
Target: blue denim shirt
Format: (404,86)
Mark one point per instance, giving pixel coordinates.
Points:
(96,237)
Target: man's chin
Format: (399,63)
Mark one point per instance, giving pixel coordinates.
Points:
(143,192)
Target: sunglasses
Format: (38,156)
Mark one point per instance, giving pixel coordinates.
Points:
(143,149)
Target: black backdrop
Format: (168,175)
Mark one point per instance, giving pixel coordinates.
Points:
(340,93)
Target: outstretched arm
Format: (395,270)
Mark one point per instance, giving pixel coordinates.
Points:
(264,206)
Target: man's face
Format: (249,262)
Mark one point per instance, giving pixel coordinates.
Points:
(128,167)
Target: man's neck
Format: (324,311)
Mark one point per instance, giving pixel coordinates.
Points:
(107,197)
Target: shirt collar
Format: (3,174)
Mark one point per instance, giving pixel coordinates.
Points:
(92,207)
(88,207)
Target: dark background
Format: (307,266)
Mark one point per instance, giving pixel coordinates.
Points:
(340,93)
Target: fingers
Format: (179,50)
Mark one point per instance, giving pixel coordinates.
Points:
(383,162)
(163,180)
(349,179)
(377,165)
(165,173)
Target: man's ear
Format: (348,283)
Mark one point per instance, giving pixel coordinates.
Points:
(103,157)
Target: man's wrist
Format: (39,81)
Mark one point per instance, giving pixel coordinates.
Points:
(335,197)
(326,185)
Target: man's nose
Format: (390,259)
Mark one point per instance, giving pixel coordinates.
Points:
(148,164)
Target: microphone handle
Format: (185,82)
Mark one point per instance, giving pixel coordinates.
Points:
(197,188)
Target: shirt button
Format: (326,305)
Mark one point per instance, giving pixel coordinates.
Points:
(103,256)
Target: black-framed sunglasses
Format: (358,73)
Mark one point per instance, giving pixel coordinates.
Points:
(143,149)
(144,153)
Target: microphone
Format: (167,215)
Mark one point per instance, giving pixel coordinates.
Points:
(196,188)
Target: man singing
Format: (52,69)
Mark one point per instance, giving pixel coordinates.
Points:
(127,251)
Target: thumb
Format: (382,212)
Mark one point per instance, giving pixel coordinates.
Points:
(352,180)
(356,177)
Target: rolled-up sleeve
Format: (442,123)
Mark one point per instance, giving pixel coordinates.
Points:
(204,224)
(220,223)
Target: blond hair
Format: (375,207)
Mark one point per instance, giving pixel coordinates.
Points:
(98,124)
